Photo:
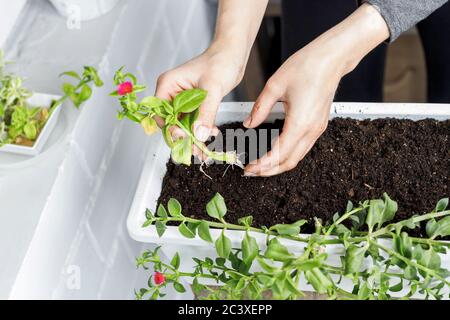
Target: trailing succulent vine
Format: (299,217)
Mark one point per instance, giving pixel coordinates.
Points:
(181,112)
(378,256)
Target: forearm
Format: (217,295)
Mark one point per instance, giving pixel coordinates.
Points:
(346,44)
(237,25)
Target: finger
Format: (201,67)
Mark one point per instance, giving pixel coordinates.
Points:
(166,86)
(199,154)
(292,162)
(263,105)
(281,150)
(204,126)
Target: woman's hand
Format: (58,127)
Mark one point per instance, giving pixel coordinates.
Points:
(306,84)
(218,71)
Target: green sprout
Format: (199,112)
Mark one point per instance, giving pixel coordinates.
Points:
(182,112)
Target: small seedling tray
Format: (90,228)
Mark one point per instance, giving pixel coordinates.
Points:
(37,100)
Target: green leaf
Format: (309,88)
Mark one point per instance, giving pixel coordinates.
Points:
(197,287)
(167,136)
(167,107)
(410,273)
(68,89)
(223,246)
(149,214)
(188,120)
(441,228)
(318,280)
(203,231)
(250,249)
(182,151)
(307,264)
(381,211)
(390,208)
(147,223)
(276,251)
(429,259)
(398,287)
(85,93)
(160,228)
(246,221)
(161,212)
(216,208)
(185,231)
(441,205)
(354,259)
(149,125)
(72,74)
(289,229)
(174,208)
(265,280)
(265,266)
(179,287)
(364,292)
(375,210)
(30,131)
(189,100)
(151,103)
(175,262)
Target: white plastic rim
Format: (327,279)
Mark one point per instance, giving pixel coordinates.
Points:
(149,187)
(84,9)
(37,100)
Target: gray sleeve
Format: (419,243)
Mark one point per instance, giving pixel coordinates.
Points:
(400,15)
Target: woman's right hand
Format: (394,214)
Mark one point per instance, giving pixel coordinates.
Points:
(218,71)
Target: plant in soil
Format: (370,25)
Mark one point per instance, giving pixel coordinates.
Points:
(380,257)
(181,112)
(21,123)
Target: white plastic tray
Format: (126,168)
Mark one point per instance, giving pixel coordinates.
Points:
(150,184)
(37,100)
(149,187)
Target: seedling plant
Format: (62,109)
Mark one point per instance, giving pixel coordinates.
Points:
(379,257)
(182,112)
(21,123)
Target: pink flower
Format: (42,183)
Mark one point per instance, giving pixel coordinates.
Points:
(125,88)
(159,278)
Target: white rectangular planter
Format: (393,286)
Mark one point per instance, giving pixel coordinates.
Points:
(150,184)
(37,100)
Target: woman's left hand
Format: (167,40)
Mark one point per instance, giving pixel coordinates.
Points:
(306,84)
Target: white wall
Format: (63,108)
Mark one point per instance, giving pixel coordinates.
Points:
(10,10)
(83,224)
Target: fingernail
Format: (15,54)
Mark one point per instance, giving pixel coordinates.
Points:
(202,133)
(248,121)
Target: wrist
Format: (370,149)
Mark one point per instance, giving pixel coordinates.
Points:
(233,51)
(350,41)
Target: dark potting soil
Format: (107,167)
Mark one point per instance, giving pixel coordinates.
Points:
(353,160)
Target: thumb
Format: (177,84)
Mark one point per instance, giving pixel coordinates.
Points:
(262,107)
(205,126)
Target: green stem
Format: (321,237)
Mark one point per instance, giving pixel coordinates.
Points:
(64,97)
(231,226)
(421,218)
(341,219)
(226,157)
(410,262)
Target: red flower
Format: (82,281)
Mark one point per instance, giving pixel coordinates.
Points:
(159,278)
(125,88)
